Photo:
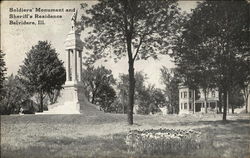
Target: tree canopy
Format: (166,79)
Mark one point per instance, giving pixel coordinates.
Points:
(94,79)
(170,80)
(147,97)
(42,71)
(133,28)
(214,39)
(15,94)
(105,98)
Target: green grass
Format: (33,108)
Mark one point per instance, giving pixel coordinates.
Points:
(39,136)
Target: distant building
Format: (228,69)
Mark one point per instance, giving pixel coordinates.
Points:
(191,101)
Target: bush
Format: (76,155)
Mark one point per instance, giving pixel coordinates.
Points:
(162,141)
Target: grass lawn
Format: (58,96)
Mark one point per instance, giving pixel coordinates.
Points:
(104,135)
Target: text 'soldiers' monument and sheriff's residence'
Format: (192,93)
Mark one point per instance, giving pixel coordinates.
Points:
(72,99)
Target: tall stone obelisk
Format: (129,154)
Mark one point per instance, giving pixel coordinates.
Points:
(72,99)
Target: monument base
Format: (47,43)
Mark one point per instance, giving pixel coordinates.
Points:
(72,100)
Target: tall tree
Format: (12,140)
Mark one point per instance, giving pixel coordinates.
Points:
(236,98)
(2,71)
(170,80)
(159,98)
(242,78)
(150,99)
(194,62)
(218,31)
(42,71)
(123,87)
(95,79)
(105,98)
(134,28)
(15,94)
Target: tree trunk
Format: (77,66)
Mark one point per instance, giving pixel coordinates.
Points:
(220,102)
(246,95)
(131,92)
(232,108)
(246,104)
(205,95)
(224,105)
(230,104)
(228,101)
(194,101)
(53,96)
(93,98)
(131,80)
(123,101)
(7,111)
(41,101)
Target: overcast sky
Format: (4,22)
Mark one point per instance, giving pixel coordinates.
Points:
(16,40)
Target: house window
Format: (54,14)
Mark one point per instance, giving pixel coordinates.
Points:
(181,106)
(185,105)
(213,93)
(190,94)
(185,94)
(181,94)
(190,106)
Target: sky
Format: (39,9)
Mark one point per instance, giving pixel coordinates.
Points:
(17,40)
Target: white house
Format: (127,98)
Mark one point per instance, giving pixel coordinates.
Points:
(191,101)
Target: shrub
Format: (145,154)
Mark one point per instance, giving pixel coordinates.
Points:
(162,141)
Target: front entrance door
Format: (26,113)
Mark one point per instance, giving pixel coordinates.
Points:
(197,107)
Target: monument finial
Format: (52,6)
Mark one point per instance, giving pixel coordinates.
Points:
(73,20)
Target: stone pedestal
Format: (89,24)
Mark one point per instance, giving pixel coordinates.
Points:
(71,100)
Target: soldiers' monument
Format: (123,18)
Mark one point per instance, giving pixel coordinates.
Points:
(72,99)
